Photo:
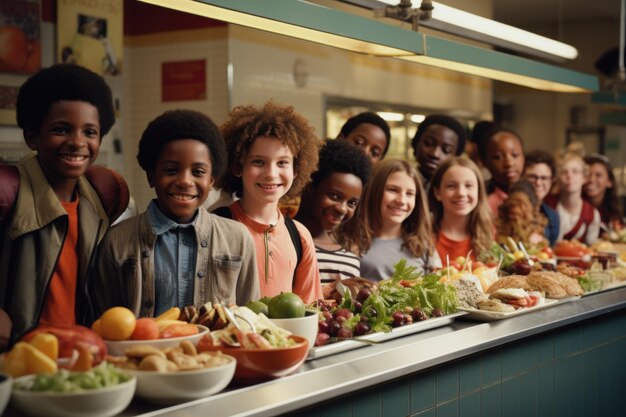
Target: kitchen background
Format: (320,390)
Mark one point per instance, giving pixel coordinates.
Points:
(237,65)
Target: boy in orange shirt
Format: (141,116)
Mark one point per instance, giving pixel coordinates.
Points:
(272,152)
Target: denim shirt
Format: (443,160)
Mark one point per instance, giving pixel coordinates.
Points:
(175,254)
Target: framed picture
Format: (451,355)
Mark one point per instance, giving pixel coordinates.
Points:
(20,50)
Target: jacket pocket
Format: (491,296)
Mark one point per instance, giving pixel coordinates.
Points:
(227,269)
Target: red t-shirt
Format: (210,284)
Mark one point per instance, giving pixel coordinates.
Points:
(59,305)
(453,248)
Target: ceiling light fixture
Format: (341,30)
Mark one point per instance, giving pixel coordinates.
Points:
(315,23)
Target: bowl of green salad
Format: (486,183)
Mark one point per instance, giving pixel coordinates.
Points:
(103,391)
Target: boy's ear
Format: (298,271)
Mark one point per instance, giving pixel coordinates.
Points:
(150,177)
(30,138)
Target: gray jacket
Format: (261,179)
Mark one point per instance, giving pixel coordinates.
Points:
(124,268)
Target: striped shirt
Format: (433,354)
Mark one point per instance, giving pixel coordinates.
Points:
(335,264)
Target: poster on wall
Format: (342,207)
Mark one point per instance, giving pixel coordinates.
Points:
(90,34)
(20,36)
(183,80)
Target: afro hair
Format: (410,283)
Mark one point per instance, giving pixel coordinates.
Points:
(182,124)
(246,123)
(443,120)
(59,83)
(341,156)
(367,117)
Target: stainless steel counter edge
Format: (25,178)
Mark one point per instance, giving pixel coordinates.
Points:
(325,378)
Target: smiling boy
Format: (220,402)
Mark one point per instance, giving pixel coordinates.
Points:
(176,253)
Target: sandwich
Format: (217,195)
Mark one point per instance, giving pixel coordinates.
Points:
(516,297)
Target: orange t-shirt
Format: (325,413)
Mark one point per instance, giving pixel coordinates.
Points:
(453,248)
(60,302)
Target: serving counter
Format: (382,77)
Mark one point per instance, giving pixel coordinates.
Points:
(569,359)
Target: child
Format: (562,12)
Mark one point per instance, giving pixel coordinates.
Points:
(539,171)
(370,132)
(58,216)
(520,217)
(461,215)
(176,253)
(437,138)
(329,201)
(578,218)
(504,157)
(393,224)
(271,153)
(600,190)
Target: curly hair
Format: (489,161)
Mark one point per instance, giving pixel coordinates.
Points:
(357,234)
(611,207)
(480,224)
(341,156)
(532,221)
(246,123)
(443,120)
(181,124)
(59,83)
(370,118)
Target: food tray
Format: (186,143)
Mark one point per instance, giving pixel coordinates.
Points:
(344,345)
(484,315)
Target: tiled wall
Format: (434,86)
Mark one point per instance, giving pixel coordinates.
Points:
(579,370)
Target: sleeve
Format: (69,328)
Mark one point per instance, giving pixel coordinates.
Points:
(248,280)
(104,285)
(307,281)
(593,230)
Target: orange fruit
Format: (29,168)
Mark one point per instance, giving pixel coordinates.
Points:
(96,327)
(117,323)
(145,329)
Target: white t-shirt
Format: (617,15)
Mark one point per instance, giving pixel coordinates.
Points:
(567,222)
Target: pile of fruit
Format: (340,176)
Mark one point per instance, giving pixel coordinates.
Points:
(119,323)
(405,298)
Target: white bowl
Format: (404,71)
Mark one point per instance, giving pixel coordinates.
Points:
(302,326)
(5,391)
(117,348)
(174,387)
(103,402)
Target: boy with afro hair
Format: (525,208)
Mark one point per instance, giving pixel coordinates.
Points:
(329,201)
(272,151)
(176,253)
(52,216)
(437,138)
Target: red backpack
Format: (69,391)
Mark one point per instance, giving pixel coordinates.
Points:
(109,185)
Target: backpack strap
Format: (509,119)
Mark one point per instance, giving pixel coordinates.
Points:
(297,243)
(585,219)
(108,184)
(9,186)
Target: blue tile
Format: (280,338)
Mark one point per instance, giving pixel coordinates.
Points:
(511,397)
(545,390)
(528,394)
(569,341)
(422,391)
(470,375)
(492,367)
(545,348)
(426,413)
(492,401)
(510,361)
(367,404)
(396,399)
(338,408)
(569,386)
(470,405)
(528,354)
(447,383)
(448,409)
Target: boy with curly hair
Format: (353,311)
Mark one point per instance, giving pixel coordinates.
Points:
(50,230)
(272,151)
(176,253)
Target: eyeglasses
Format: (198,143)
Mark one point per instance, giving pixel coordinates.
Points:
(535,178)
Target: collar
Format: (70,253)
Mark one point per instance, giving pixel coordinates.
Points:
(160,223)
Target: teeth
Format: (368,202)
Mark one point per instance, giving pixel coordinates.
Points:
(73,158)
(268,186)
(182,197)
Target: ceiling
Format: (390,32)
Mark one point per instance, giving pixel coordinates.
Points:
(528,13)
